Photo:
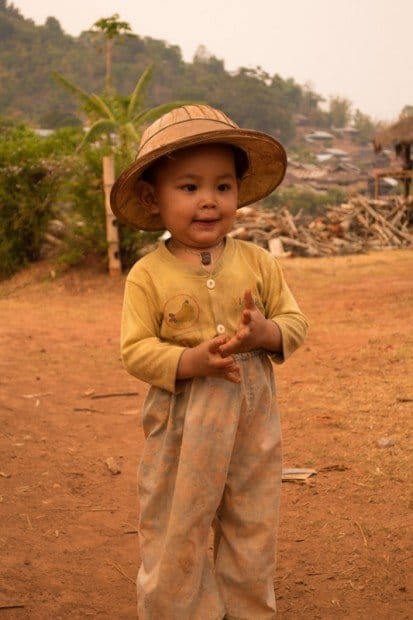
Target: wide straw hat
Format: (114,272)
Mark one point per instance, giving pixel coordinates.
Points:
(191,125)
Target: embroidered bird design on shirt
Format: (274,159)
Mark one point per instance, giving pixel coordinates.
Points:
(185,314)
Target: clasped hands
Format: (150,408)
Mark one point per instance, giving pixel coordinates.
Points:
(214,358)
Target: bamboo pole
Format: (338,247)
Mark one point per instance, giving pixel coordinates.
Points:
(112,235)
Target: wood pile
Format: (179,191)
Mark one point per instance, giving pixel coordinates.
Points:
(360,225)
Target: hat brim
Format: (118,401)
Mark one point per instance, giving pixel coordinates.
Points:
(267,165)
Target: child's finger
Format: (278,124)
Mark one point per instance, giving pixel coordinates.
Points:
(249,302)
(246,317)
(242,333)
(229,347)
(235,344)
(222,362)
(234,368)
(234,377)
(217,342)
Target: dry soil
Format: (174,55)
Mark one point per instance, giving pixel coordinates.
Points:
(68,534)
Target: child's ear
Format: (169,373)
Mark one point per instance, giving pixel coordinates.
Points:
(147,197)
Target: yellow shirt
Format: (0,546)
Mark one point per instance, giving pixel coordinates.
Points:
(170,305)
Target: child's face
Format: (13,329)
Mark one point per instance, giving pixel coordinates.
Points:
(196,194)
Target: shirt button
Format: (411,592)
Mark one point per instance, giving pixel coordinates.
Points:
(210,283)
(221,329)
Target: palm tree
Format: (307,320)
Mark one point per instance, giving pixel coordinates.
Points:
(111,28)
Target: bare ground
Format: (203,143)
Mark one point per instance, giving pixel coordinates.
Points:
(68,526)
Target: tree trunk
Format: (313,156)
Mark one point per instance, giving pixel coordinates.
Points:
(112,235)
(108,64)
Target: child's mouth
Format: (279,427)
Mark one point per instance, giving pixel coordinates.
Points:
(205,223)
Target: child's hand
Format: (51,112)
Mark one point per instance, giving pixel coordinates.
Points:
(205,360)
(254,331)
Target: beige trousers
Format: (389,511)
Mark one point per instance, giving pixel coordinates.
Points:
(212,457)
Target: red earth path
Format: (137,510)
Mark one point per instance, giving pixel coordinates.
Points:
(68,537)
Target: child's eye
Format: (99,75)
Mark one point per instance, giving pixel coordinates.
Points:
(189,187)
(224,187)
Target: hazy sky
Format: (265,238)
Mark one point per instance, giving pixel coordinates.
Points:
(359,49)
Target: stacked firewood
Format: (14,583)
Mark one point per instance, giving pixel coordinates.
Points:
(359,225)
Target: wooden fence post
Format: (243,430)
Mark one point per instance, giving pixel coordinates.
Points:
(112,234)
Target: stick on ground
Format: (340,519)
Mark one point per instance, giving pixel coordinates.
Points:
(115,394)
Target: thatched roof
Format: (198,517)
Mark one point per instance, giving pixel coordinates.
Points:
(402,131)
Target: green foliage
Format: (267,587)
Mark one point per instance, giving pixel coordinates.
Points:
(132,241)
(111,115)
(48,178)
(339,111)
(30,171)
(116,115)
(112,27)
(302,153)
(307,200)
(365,126)
(81,207)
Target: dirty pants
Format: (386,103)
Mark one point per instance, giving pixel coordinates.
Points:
(212,457)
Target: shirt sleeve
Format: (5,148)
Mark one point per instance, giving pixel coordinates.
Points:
(282,308)
(144,354)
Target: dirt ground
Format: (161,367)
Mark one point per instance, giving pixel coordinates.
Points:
(68,535)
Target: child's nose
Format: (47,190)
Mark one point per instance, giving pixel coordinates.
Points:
(208,199)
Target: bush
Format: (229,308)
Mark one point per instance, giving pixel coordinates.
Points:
(30,171)
(82,209)
(131,242)
(47,178)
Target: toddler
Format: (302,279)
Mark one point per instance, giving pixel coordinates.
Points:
(203,317)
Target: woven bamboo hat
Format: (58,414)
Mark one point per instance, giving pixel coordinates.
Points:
(192,125)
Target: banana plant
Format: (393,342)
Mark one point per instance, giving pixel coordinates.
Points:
(118,118)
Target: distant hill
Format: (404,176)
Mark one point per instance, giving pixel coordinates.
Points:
(29,53)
